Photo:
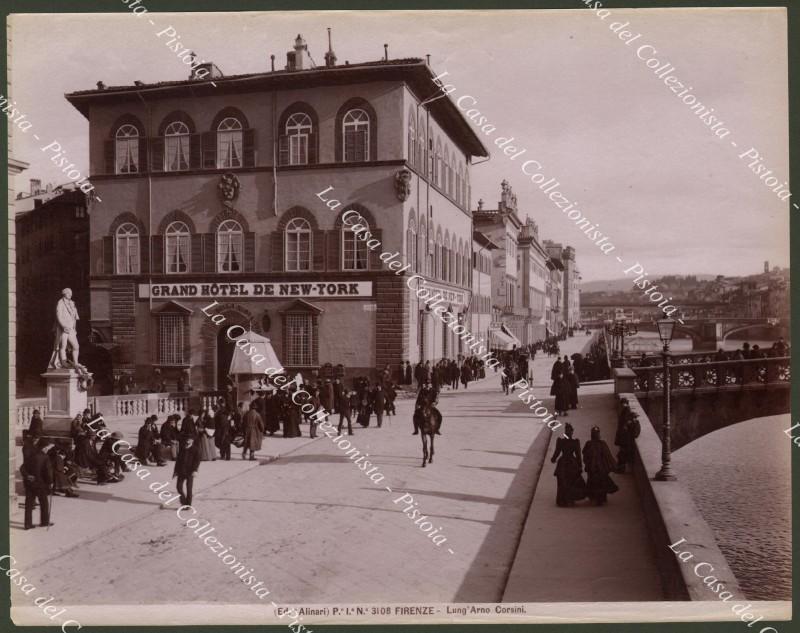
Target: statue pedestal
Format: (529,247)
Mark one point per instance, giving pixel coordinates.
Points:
(64,399)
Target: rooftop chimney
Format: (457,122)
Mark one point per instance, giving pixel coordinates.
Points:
(766,263)
(294,59)
(36,186)
(386,52)
(272,61)
(206,70)
(330,56)
(101,85)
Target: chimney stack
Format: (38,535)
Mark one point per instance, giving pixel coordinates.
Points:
(386,52)
(36,186)
(330,56)
(766,265)
(272,61)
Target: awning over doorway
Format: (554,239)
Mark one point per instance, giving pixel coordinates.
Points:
(242,363)
(501,340)
(510,334)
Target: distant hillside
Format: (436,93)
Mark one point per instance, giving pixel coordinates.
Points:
(623,285)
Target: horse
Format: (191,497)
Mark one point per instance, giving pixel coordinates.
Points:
(428,423)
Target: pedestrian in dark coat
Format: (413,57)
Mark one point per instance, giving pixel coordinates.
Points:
(599,463)
(378,403)
(190,425)
(80,435)
(223,432)
(408,373)
(36,427)
(271,413)
(144,445)
(253,428)
(345,412)
(326,396)
(556,370)
(391,394)
(560,390)
(571,487)
(465,375)
(628,429)
(572,388)
(186,467)
(169,435)
(62,481)
(37,476)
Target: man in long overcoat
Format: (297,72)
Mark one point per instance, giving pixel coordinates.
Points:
(186,467)
(253,427)
(37,475)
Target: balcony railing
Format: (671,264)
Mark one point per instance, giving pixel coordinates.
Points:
(716,374)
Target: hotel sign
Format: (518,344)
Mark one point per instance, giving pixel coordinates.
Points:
(448,294)
(250,290)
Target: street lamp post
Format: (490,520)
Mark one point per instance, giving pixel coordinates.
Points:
(666,328)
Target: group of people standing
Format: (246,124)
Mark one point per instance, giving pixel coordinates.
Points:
(565,386)
(448,372)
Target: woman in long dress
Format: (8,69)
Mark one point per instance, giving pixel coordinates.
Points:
(599,462)
(572,388)
(291,425)
(560,390)
(206,448)
(571,487)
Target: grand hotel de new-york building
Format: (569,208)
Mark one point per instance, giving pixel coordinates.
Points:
(209,193)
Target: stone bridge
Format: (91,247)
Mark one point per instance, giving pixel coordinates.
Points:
(710,333)
(710,395)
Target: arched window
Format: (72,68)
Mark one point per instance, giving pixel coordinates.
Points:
(354,251)
(176,146)
(422,143)
(446,171)
(411,244)
(298,245)
(460,185)
(446,259)
(127,249)
(230,247)
(438,169)
(126,149)
(423,246)
(355,136)
(459,262)
(229,143)
(177,248)
(453,265)
(412,142)
(298,131)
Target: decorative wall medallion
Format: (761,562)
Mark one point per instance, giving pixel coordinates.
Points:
(402,184)
(228,188)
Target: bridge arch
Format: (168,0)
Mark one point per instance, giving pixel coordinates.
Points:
(773,327)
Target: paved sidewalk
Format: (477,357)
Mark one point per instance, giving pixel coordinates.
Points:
(316,529)
(585,553)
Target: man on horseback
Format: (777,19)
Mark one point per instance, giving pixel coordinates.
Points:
(427,397)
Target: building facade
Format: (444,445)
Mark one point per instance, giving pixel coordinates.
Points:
(534,282)
(572,288)
(480,312)
(232,199)
(502,226)
(52,254)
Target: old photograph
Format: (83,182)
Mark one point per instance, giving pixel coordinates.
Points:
(399,317)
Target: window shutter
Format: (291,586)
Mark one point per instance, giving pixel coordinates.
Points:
(158,253)
(334,248)
(209,252)
(108,254)
(350,146)
(209,147)
(249,147)
(157,154)
(375,262)
(197,252)
(144,254)
(110,166)
(283,150)
(318,256)
(143,154)
(276,254)
(312,149)
(249,252)
(195,152)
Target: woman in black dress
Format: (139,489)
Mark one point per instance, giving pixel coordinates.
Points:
(571,487)
(572,388)
(599,462)
(560,390)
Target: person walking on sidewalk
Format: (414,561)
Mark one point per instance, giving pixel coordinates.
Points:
(599,463)
(345,407)
(37,475)
(253,427)
(571,487)
(378,403)
(186,467)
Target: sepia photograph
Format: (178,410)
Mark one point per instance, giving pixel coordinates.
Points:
(382,317)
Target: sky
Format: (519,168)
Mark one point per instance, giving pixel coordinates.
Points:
(667,192)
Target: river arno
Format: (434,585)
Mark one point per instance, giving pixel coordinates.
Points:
(740,478)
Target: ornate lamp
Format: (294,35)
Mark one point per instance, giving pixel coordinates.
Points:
(666,328)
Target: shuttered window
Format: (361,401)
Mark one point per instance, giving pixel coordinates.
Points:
(176,147)
(229,143)
(230,247)
(126,150)
(298,245)
(177,248)
(127,248)
(355,131)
